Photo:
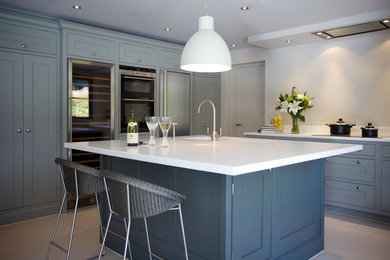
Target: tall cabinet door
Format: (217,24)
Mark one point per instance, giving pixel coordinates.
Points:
(40,130)
(11,133)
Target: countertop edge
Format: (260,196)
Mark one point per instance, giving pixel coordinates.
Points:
(215,168)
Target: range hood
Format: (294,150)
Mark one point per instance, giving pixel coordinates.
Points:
(354,29)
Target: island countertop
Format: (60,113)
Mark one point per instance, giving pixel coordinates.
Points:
(229,155)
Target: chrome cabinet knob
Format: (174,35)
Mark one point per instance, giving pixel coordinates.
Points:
(93,54)
(359,162)
(19,130)
(326,182)
(326,159)
(176,66)
(358,187)
(28,130)
(23,45)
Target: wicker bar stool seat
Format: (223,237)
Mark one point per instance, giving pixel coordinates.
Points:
(133,198)
(77,180)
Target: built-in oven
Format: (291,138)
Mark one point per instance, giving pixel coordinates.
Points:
(137,89)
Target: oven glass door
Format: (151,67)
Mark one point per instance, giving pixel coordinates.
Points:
(137,87)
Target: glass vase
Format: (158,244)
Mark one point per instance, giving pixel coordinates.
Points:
(295,126)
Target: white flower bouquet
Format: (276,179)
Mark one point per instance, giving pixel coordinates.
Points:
(294,105)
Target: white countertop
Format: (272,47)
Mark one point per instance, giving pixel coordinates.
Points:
(326,136)
(228,155)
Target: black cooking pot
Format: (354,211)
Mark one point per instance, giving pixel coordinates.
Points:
(369,131)
(340,128)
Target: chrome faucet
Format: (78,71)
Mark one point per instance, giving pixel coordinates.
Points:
(213,132)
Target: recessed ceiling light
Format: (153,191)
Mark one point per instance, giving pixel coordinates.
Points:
(77,7)
(233,45)
(319,33)
(289,41)
(328,37)
(386,21)
(245,8)
(167,29)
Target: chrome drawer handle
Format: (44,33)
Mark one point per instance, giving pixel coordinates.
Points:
(359,162)
(358,188)
(93,54)
(24,46)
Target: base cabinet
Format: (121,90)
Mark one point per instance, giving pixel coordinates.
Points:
(356,183)
(385,188)
(29,118)
(275,214)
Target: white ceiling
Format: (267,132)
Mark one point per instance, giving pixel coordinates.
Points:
(267,23)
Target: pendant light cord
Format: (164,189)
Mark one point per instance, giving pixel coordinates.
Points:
(205,7)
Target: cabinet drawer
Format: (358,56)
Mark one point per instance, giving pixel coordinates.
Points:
(350,168)
(91,47)
(170,60)
(27,39)
(386,151)
(349,195)
(136,54)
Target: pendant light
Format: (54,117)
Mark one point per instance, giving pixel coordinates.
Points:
(206,51)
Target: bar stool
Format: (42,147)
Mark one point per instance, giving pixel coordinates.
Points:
(77,180)
(132,198)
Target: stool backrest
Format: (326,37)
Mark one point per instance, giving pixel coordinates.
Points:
(146,199)
(88,179)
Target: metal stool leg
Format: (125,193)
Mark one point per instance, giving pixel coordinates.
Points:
(73,224)
(182,231)
(100,220)
(147,238)
(127,239)
(105,235)
(128,242)
(55,227)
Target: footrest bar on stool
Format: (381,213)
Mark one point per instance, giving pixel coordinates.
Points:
(59,247)
(156,256)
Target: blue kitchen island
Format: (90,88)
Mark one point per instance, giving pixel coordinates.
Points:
(246,198)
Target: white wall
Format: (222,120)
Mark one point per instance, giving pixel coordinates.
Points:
(349,77)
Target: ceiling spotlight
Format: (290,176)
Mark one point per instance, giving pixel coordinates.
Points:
(167,29)
(77,7)
(289,41)
(245,8)
(386,21)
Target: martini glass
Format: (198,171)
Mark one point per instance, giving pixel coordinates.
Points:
(165,125)
(152,123)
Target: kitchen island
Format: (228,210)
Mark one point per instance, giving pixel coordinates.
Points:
(246,198)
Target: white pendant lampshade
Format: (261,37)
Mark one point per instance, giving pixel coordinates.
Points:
(206,51)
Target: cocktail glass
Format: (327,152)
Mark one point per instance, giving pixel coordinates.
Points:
(165,124)
(152,123)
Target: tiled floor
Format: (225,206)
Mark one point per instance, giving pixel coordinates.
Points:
(345,238)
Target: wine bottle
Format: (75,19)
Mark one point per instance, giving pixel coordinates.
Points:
(132,129)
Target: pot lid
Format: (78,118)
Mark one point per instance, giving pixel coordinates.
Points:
(369,126)
(341,122)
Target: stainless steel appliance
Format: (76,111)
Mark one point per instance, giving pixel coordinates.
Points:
(176,100)
(137,88)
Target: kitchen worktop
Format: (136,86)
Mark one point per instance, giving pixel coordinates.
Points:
(229,155)
(326,136)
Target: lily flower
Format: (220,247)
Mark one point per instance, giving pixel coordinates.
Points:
(284,106)
(294,107)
